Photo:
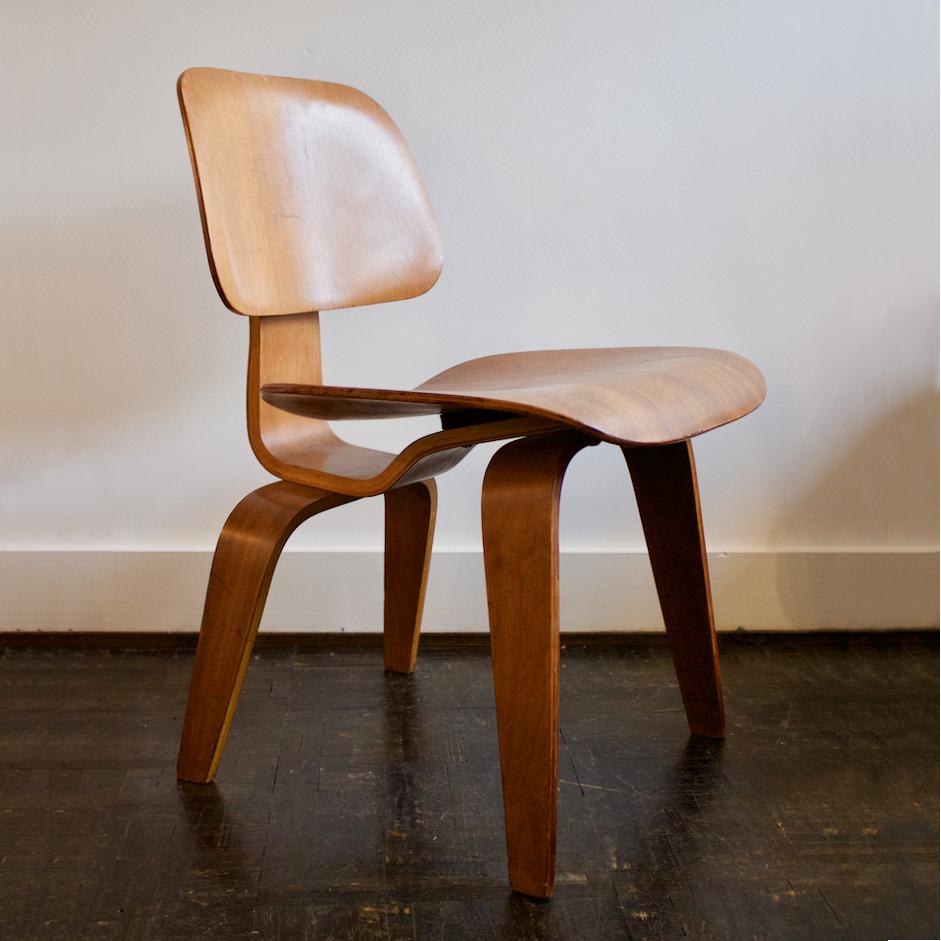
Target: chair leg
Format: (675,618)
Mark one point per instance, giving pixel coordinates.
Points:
(664,480)
(521,555)
(410,529)
(244,561)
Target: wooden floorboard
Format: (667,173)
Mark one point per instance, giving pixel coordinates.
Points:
(355,804)
(172,640)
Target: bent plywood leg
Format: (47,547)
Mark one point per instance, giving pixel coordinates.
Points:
(521,556)
(668,498)
(244,561)
(410,528)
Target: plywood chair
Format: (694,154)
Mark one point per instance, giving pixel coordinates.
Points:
(310,201)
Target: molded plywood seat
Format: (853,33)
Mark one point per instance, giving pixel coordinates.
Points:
(628,396)
(310,201)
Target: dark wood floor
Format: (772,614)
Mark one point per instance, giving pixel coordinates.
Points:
(353,804)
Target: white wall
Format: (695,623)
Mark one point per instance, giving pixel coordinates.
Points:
(758,176)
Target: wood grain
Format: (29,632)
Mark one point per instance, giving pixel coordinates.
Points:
(242,567)
(410,528)
(668,499)
(520,511)
(310,201)
(309,197)
(367,806)
(307,451)
(630,395)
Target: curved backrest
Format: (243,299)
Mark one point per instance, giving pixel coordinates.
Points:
(309,197)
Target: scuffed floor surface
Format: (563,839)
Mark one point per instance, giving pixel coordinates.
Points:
(355,805)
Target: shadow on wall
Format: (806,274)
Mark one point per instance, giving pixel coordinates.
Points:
(884,485)
(100,366)
(96,299)
(106,384)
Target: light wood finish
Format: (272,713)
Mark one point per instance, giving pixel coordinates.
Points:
(520,510)
(308,451)
(310,201)
(667,492)
(632,395)
(410,528)
(244,561)
(309,197)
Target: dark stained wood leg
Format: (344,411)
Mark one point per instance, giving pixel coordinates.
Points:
(521,555)
(410,528)
(244,561)
(668,498)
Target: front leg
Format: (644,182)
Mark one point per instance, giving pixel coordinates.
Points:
(244,561)
(521,555)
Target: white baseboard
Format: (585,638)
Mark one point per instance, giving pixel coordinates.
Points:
(140,590)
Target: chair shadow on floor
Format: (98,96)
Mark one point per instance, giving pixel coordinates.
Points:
(420,851)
